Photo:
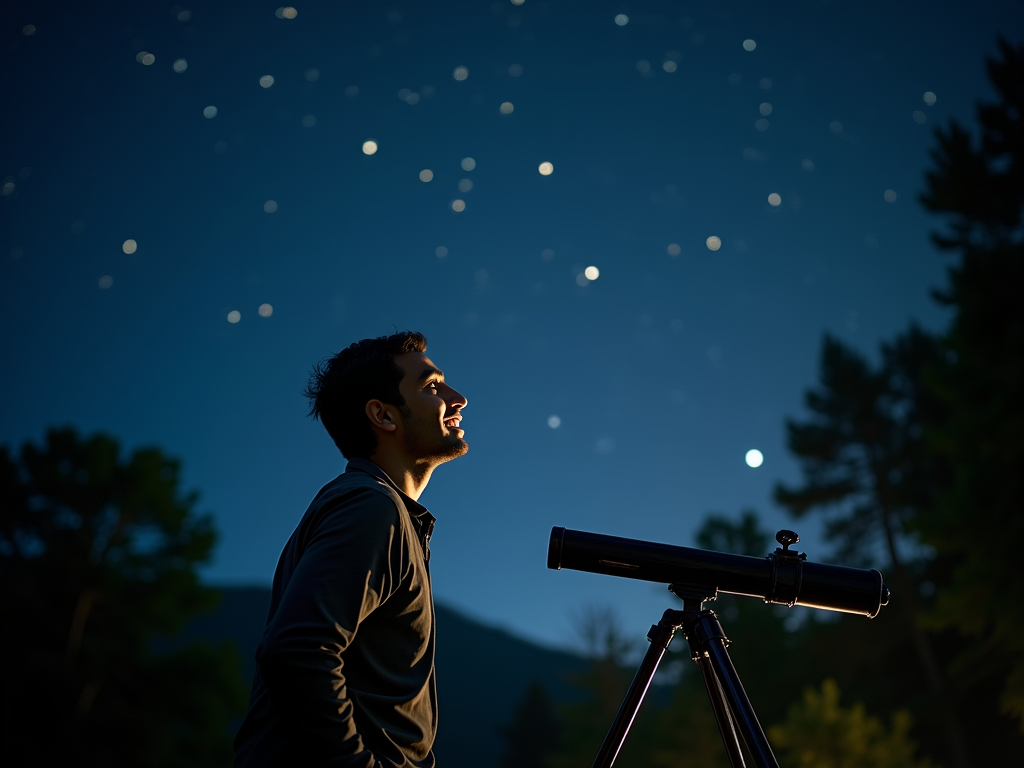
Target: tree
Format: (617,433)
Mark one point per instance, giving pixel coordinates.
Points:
(866,467)
(818,732)
(98,556)
(742,537)
(603,685)
(915,461)
(979,188)
(533,735)
(861,450)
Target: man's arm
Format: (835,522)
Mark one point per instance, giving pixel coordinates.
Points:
(350,564)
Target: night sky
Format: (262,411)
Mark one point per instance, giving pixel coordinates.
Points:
(190,220)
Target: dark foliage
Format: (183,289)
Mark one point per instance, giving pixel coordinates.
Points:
(978,523)
(743,537)
(862,452)
(97,557)
(534,733)
(778,653)
(915,461)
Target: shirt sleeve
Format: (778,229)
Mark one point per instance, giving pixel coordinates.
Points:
(350,562)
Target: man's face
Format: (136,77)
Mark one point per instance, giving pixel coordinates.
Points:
(431,428)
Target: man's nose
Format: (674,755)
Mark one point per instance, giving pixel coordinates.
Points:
(455,398)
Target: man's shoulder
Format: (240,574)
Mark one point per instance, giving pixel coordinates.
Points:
(356,490)
(354,481)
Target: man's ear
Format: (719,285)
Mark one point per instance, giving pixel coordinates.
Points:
(380,416)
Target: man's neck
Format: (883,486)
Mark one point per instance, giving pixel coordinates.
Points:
(411,481)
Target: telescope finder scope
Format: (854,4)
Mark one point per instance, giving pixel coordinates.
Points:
(782,577)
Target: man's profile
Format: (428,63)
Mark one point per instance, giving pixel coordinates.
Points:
(345,667)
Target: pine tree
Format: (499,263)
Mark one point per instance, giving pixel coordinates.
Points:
(925,447)
(979,188)
(863,457)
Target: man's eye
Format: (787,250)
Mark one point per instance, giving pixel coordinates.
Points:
(432,386)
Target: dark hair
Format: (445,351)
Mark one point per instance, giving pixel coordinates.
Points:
(340,386)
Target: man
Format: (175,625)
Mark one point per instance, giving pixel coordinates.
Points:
(345,668)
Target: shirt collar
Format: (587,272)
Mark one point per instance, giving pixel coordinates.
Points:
(416,509)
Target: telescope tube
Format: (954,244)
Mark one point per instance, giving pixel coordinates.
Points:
(783,577)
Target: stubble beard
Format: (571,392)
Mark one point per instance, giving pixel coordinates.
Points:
(426,443)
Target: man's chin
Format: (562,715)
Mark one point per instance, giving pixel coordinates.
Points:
(458,447)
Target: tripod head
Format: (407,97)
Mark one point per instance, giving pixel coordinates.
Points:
(783,577)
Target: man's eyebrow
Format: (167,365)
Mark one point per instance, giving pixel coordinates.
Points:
(428,372)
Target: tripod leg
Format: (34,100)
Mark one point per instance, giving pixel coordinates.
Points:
(660,637)
(739,704)
(726,724)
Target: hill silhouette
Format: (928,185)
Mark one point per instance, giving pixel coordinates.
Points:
(482,671)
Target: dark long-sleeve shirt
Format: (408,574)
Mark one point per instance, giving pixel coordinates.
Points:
(345,668)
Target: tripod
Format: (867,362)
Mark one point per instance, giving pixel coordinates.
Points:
(733,711)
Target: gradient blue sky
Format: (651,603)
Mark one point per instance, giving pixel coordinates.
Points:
(663,372)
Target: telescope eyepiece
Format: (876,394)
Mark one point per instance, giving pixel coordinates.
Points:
(787,538)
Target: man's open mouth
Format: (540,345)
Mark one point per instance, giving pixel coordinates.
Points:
(453,423)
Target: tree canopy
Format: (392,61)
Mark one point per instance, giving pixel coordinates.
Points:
(978,187)
(98,556)
(914,460)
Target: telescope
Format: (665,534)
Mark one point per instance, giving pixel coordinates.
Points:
(782,577)
(697,576)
